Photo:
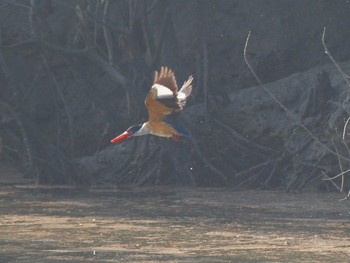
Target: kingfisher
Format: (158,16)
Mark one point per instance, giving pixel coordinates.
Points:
(162,100)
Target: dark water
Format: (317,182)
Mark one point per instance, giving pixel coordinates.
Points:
(171,225)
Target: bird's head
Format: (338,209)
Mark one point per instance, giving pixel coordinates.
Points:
(135,130)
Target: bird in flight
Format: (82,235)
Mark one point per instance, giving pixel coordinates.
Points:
(162,100)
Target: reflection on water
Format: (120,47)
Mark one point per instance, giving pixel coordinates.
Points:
(171,224)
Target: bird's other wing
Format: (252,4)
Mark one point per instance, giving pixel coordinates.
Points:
(185,92)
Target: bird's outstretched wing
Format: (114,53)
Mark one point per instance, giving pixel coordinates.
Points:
(164,97)
(185,92)
(166,78)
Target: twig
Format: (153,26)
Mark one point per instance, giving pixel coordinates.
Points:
(248,64)
(336,176)
(95,22)
(345,76)
(30,88)
(340,167)
(16,4)
(250,179)
(345,126)
(132,14)
(257,166)
(297,121)
(80,30)
(346,197)
(268,179)
(107,34)
(31,19)
(331,180)
(151,6)
(205,74)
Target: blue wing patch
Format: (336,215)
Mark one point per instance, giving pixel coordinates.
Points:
(181,130)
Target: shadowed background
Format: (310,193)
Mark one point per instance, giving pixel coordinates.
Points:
(73,74)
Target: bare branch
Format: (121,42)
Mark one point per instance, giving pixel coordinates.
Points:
(31,19)
(205,74)
(345,126)
(247,62)
(132,14)
(106,34)
(345,76)
(331,180)
(96,23)
(346,197)
(151,6)
(340,167)
(15,3)
(336,176)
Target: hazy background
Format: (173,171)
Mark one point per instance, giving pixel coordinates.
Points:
(73,74)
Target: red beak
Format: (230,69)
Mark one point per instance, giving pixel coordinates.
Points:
(121,137)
